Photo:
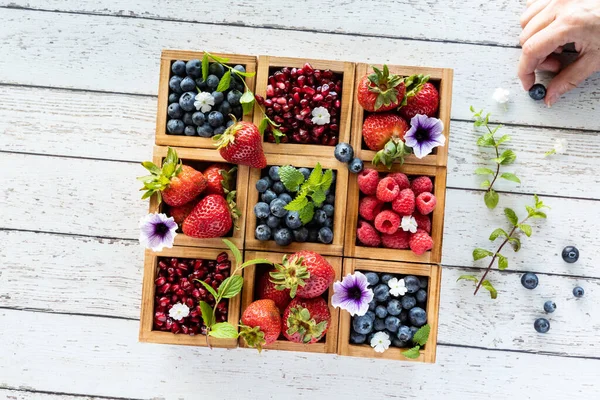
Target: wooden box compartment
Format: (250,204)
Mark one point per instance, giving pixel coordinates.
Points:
(441,78)
(354,249)
(267,65)
(326,345)
(433,272)
(337,246)
(147,331)
(200,159)
(166,60)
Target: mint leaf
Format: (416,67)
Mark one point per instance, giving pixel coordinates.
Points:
(511,216)
(526,229)
(412,353)
(538,214)
(291,178)
(484,171)
(318,197)
(480,253)
(208,287)
(307,213)
(468,278)
(491,199)
(315,176)
(247,102)
(236,252)
(503,139)
(246,74)
(502,262)
(264,123)
(207,314)
(485,184)
(487,285)
(299,203)
(497,233)
(422,335)
(510,177)
(231,287)
(223,330)
(221,60)
(205,67)
(326,180)
(224,82)
(538,203)
(508,157)
(486,140)
(515,243)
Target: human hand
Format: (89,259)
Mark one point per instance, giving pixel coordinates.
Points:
(547,26)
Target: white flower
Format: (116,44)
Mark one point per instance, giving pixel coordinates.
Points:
(409,224)
(501,95)
(179,311)
(397,287)
(204,102)
(560,145)
(380,342)
(320,116)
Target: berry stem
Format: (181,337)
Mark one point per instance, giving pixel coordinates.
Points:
(498,165)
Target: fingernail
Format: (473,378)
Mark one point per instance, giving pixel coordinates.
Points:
(551,100)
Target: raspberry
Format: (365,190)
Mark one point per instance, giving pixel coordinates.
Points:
(426,203)
(401,179)
(420,242)
(387,222)
(423,222)
(369,207)
(398,240)
(367,181)
(404,204)
(421,184)
(367,235)
(387,189)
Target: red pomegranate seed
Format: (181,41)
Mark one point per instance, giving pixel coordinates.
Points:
(308,68)
(196,293)
(222,257)
(270,91)
(259,99)
(189,302)
(285,109)
(169,324)
(162,265)
(317,75)
(318,97)
(164,288)
(294,72)
(159,316)
(281,85)
(276,107)
(333,127)
(282,101)
(308,90)
(160,281)
(268,103)
(164,301)
(171,270)
(174,299)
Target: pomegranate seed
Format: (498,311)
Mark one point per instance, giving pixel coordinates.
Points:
(318,97)
(338,104)
(333,127)
(308,90)
(318,131)
(279,76)
(308,68)
(310,81)
(278,119)
(164,301)
(164,288)
(196,293)
(174,299)
(189,303)
(317,75)
(281,101)
(276,107)
(169,324)
(222,257)
(270,91)
(171,270)
(281,85)
(159,316)
(175,327)
(294,73)
(259,99)
(268,103)
(160,281)
(162,265)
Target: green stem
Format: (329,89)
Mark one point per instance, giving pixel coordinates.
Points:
(498,165)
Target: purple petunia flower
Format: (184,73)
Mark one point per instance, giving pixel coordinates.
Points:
(424,135)
(157,231)
(352,294)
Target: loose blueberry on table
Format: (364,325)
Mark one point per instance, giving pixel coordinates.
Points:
(549,306)
(570,254)
(529,280)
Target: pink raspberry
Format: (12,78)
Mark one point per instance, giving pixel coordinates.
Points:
(423,222)
(426,203)
(367,235)
(404,204)
(387,222)
(369,207)
(420,242)
(398,240)
(421,184)
(367,181)
(401,179)
(387,190)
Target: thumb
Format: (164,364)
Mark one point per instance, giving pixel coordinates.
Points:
(570,77)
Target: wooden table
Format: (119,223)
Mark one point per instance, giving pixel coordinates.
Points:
(78,84)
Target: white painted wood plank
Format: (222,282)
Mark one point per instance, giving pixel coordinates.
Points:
(75,56)
(102,357)
(23,394)
(473,21)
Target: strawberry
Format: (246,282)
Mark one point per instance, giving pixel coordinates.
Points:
(266,290)
(220,179)
(306,273)
(421,98)
(212,217)
(306,320)
(242,144)
(180,213)
(380,91)
(261,324)
(174,183)
(378,129)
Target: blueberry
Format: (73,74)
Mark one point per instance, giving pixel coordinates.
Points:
(262,185)
(371,314)
(398,343)
(537,91)
(268,196)
(262,210)
(404,334)
(215,119)
(394,307)
(174,110)
(285,197)
(417,316)
(578,291)
(273,222)
(216,69)
(300,234)
(205,131)
(392,324)
(357,338)
(198,118)
(343,152)
(187,120)
(230,122)
(313,235)
(238,112)
(274,173)
(233,97)
(412,283)
(305,172)
(541,325)
(372,278)
(240,68)
(362,324)
(218,96)
(178,68)
(549,306)
(186,101)
(403,316)
(408,302)
(570,254)
(330,199)
(277,208)
(381,311)
(224,108)
(175,84)
(283,236)
(381,292)
(174,98)
(385,278)
(370,337)
(529,280)
(219,130)
(328,208)
(263,233)
(356,165)
(328,223)
(194,68)
(421,295)
(212,81)
(188,84)
(278,187)
(292,220)
(201,84)
(320,217)
(261,221)
(379,324)
(373,305)
(325,235)
(414,330)
(175,126)
(190,130)
(333,177)
(423,282)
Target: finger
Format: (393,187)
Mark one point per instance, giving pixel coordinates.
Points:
(530,2)
(538,22)
(570,78)
(532,11)
(551,64)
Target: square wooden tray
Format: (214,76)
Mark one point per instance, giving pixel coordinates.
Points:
(166,59)
(336,248)
(208,156)
(147,334)
(329,345)
(428,352)
(265,63)
(441,78)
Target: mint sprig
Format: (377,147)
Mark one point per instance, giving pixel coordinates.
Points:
(311,192)
(419,339)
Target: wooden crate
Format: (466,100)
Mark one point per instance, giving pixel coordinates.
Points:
(329,345)
(434,273)
(147,334)
(335,248)
(441,78)
(167,58)
(265,63)
(352,249)
(207,157)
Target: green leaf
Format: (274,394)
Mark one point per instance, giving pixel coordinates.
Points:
(515,243)
(221,60)
(538,203)
(207,314)
(491,199)
(485,184)
(487,285)
(468,278)
(231,287)
(503,139)
(208,287)
(502,262)
(205,67)
(316,175)
(480,253)
(318,197)
(223,330)
(264,123)
(236,252)
(412,353)
(247,102)
(510,177)
(307,213)
(255,262)
(299,203)
(246,74)
(291,178)
(497,233)
(422,335)
(486,140)
(511,216)
(538,214)
(224,82)
(326,180)
(526,229)
(484,171)
(508,157)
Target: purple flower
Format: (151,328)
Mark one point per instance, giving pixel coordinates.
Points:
(352,294)
(424,134)
(157,231)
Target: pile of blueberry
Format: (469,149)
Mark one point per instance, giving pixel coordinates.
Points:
(206,116)
(343,152)
(274,222)
(400,317)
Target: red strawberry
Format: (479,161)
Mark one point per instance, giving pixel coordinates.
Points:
(367,235)
(378,129)
(380,91)
(426,203)
(369,207)
(306,320)
(180,213)
(421,184)
(387,221)
(401,179)
(387,190)
(367,181)
(242,144)
(420,242)
(422,99)
(266,290)
(398,240)
(306,273)
(174,183)
(404,204)
(423,222)
(261,324)
(212,217)
(221,179)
